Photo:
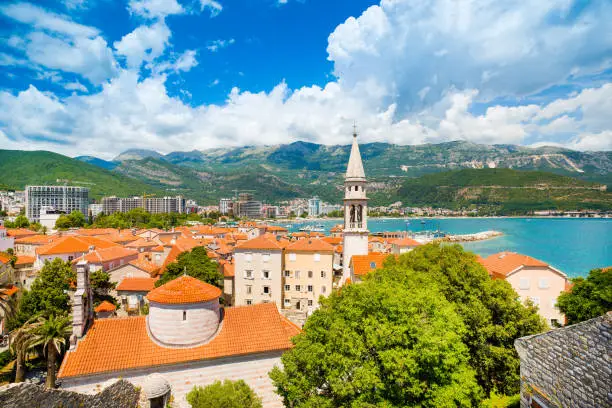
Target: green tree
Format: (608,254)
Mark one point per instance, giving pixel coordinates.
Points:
(77,219)
(51,334)
(63,222)
(20,222)
(226,394)
(48,294)
(380,344)
(195,263)
(489,308)
(21,343)
(589,298)
(101,285)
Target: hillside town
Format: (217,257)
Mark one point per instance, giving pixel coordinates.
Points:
(167,335)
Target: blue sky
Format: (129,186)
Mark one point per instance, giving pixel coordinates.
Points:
(100,76)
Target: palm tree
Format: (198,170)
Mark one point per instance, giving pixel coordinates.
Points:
(7,302)
(21,343)
(51,333)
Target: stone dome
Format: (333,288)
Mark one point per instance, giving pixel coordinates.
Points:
(155,385)
(184,312)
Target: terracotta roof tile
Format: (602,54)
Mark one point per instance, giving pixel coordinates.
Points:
(275,228)
(184,289)
(310,245)
(405,242)
(142,243)
(36,239)
(145,265)
(73,244)
(137,284)
(24,260)
(96,231)
(363,264)
(261,242)
(9,291)
(4,258)
(19,232)
(105,306)
(107,254)
(228,270)
(245,330)
(503,263)
(332,240)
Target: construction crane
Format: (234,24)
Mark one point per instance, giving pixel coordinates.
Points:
(144,199)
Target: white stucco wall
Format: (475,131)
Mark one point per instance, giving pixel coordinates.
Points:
(353,243)
(252,369)
(166,324)
(257,262)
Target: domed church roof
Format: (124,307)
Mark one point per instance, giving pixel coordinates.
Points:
(155,385)
(184,290)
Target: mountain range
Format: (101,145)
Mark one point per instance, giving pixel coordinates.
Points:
(299,169)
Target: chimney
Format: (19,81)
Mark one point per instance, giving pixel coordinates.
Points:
(82,310)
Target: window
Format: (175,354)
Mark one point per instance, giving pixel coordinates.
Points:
(309,302)
(524,283)
(372,265)
(310,274)
(266,290)
(317,257)
(287,302)
(249,289)
(287,274)
(297,274)
(248,274)
(543,284)
(248,257)
(356,188)
(310,288)
(298,288)
(265,258)
(184,315)
(322,289)
(322,274)
(265,274)
(287,288)
(70,258)
(249,301)
(292,257)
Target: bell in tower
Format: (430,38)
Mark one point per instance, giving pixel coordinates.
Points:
(355,233)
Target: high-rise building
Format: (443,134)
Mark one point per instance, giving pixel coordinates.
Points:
(246,207)
(314,207)
(154,205)
(62,198)
(355,233)
(226,206)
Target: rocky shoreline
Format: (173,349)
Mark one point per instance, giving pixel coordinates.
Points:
(479,236)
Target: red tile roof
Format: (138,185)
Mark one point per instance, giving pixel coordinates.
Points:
(107,254)
(333,240)
(405,242)
(184,289)
(36,239)
(96,231)
(145,265)
(9,291)
(73,244)
(363,264)
(4,258)
(503,263)
(245,330)
(275,228)
(19,232)
(24,260)
(105,306)
(137,284)
(261,242)
(229,270)
(142,243)
(310,245)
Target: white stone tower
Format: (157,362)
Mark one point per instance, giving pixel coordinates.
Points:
(355,234)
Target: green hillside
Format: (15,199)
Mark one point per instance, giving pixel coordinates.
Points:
(20,168)
(504,191)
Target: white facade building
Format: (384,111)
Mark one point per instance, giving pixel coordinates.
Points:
(62,198)
(355,233)
(6,242)
(226,205)
(314,207)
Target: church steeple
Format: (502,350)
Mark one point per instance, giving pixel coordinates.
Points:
(354,170)
(355,232)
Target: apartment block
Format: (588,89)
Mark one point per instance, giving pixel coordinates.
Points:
(154,205)
(258,267)
(308,274)
(60,198)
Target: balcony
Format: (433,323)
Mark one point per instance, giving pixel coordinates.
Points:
(355,225)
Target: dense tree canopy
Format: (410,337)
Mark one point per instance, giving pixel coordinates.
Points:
(589,298)
(226,394)
(48,294)
(140,218)
(428,329)
(75,219)
(195,263)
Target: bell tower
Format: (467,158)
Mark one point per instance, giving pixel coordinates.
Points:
(355,233)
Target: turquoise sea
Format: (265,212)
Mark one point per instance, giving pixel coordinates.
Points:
(573,245)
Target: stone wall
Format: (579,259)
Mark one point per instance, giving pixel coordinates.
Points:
(253,369)
(568,367)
